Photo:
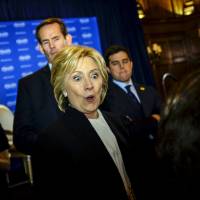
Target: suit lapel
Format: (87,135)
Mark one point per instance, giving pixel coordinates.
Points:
(46,76)
(121,93)
(141,93)
(113,124)
(93,142)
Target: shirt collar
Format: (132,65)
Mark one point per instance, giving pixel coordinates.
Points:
(50,66)
(123,84)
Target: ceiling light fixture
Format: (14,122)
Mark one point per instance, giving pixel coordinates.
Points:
(188,7)
(140,11)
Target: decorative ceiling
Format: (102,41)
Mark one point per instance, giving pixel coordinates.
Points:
(167,8)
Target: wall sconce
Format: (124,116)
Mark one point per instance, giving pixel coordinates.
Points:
(154,51)
(140,11)
(188,7)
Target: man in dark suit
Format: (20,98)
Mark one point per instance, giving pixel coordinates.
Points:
(125,97)
(36,107)
(139,103)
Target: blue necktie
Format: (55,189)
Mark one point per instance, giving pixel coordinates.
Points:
(130,93)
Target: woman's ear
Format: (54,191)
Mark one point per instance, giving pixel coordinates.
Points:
(65,93)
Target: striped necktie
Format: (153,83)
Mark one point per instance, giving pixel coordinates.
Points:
(130,93)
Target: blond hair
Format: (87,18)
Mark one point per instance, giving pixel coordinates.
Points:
(66,61)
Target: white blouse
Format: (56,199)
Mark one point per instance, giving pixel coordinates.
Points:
(110,142)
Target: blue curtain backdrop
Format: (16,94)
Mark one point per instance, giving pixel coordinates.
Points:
(117,20)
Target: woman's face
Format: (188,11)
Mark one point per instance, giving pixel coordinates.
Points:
(84,87)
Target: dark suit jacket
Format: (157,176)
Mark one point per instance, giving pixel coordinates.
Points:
(143,131)
(73,162)
(36,108)
(117,101)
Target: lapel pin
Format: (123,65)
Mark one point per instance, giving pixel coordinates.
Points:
(142,88)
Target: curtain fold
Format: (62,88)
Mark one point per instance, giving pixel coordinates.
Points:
(117,20)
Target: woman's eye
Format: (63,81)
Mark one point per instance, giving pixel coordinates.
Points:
(76,78)
(95,76)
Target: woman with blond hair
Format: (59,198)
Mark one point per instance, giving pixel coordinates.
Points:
(84,154)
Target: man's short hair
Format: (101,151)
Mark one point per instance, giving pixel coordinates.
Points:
(115,49)
(58,21)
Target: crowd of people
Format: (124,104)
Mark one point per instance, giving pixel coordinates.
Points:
(94,133)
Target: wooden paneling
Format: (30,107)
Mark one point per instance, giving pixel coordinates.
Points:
(179,37)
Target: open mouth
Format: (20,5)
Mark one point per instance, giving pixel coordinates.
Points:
(90,98)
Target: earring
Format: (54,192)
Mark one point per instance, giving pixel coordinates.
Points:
(65,93)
